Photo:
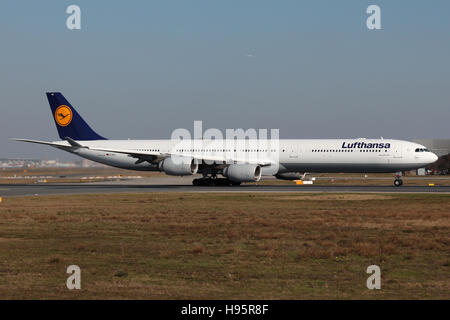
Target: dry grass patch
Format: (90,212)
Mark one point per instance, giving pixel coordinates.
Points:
(341,197)
(213,246)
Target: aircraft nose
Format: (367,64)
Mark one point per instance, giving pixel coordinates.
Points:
(433,157)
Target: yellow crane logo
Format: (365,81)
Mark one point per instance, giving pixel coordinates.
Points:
(63,115)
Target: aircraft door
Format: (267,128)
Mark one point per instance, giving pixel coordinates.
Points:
(294,151)
(397,151)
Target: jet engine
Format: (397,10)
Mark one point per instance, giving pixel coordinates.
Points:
(243,172)
(179,166)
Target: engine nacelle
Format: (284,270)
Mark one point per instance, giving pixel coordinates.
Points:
(179,166)
(289,176)
(243,172)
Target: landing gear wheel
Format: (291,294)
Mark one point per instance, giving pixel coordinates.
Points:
(203,182)
(398,182)
(208,181)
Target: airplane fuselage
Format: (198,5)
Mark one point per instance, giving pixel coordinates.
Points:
(331,155)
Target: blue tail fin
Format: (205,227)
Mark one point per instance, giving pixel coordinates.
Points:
(68,122)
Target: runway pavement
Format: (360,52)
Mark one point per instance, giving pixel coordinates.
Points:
(131,187)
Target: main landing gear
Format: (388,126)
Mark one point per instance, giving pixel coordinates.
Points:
(398,179)
(214,181)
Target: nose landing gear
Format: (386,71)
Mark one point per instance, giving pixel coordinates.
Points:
(398,179)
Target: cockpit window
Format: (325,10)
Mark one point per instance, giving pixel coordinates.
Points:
(422,150)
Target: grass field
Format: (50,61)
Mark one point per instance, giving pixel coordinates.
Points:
(214,246)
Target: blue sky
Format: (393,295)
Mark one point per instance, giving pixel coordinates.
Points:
(140,69)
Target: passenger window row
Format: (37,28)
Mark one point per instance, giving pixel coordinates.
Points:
(332,150)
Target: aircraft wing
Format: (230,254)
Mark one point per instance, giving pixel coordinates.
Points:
(156,157)
(142,156)
(152,156)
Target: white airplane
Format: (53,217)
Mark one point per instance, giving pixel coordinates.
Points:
(236,160)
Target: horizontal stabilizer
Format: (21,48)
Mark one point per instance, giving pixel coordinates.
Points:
(156,156)
(53,144)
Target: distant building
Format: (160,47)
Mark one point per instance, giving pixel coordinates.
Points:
(33,163)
